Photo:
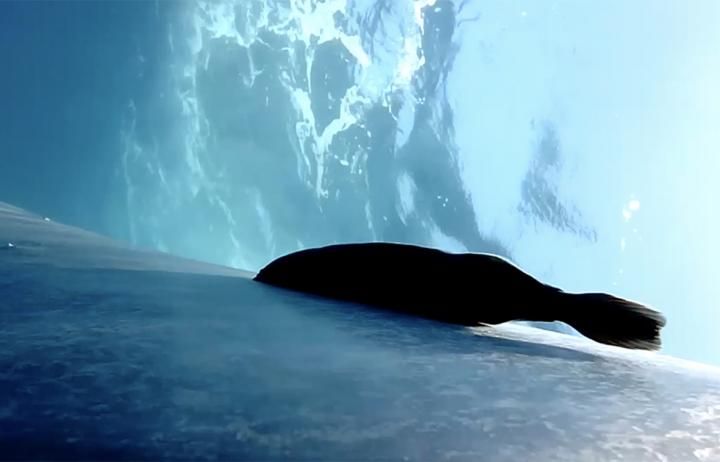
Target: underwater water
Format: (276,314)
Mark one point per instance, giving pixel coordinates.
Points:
(575,138)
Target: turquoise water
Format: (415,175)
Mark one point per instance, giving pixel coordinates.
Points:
(576,138)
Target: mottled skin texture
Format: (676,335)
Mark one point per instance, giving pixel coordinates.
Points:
(107,353)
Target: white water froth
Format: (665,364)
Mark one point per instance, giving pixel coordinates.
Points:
(406,192)
(397,56)
(385,65)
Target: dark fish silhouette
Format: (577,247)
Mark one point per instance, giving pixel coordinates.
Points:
(467,289)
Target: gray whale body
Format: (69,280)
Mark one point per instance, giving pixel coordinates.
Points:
(110,353)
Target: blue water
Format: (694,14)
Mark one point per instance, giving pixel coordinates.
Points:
(69,69)
(577,140)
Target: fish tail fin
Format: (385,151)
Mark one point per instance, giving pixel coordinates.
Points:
(612,320)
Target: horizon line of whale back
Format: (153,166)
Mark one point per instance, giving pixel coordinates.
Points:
(460,288)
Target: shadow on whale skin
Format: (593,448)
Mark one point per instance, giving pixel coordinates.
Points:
(417,335)
(468,289)
(54,446)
